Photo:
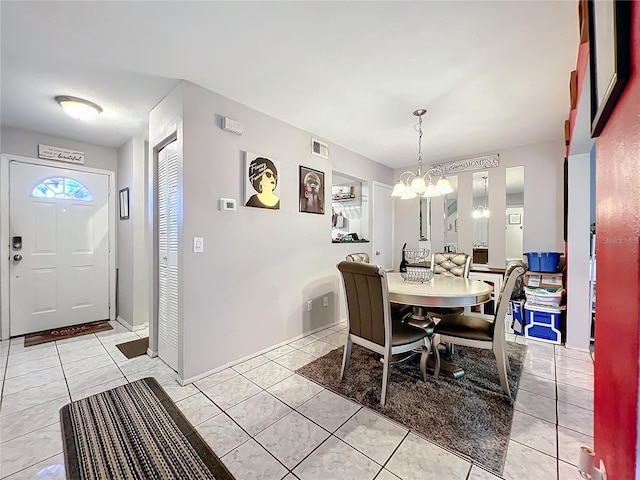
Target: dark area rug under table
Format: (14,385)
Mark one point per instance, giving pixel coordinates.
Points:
(469,416)
(134,431)
(66,332)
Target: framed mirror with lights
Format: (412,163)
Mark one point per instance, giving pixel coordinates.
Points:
(514,213)
(451,217)
(481,215)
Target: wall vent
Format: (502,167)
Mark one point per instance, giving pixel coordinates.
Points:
(319,148)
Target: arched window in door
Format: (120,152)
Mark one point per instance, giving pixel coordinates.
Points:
(62,187)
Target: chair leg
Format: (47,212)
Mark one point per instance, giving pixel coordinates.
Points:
(346,356)
(426,350)
(385,379)
(435,340)
(502,372)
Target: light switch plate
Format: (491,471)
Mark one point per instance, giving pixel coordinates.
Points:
(198,244)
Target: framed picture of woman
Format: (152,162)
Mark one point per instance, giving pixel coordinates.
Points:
(311,190)
(262,188)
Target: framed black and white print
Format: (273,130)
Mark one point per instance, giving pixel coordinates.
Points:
(311,190)
(124,203)
(609,57)
(515,219)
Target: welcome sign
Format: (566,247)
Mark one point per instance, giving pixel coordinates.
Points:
(62,154)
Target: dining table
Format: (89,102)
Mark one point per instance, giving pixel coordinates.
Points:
(443,291)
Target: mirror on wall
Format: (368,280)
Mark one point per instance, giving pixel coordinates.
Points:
(425,219)
(514,220)
(451,217)
(481,214)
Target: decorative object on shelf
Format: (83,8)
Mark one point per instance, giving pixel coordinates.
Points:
(482,211)
(261,187)
(417,255)
(311,190)
(417,274)
(573,89)
(583,21)
(124,203)
(416,183)
(609,57)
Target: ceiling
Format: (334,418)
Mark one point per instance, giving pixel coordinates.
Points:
(492,75)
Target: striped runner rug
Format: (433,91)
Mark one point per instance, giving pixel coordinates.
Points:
(134,431)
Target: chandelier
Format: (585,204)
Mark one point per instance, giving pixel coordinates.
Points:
(410,184)
(482,211)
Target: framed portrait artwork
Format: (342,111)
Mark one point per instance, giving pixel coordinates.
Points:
(124,203)
(261,182)
(515,219)
(609,57)
(311,190)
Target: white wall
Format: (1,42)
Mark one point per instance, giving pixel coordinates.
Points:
(247,290)
(25,143)
(133,277)
(543,200)
(578,251)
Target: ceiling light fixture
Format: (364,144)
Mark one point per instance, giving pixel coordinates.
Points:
(79,108)
(416,183)
(482,211)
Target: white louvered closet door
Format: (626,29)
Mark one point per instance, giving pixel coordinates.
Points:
(168,293)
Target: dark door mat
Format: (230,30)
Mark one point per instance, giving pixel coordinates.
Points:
(134,348)
(66,332)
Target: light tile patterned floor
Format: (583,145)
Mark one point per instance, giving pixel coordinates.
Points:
(266,422)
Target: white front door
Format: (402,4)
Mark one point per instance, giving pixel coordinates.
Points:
(382,226)
(59,275)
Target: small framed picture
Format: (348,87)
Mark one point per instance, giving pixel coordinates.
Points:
(124,203)
(311,190)
(514,219)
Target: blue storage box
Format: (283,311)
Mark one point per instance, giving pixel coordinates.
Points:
(543,323)
(543,261)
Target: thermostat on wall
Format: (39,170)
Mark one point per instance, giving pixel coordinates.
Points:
(228,204)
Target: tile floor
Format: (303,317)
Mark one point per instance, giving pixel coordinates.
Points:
(266,422)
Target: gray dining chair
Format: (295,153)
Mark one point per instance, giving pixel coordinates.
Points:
(477,332)
(372,325)
(397,309)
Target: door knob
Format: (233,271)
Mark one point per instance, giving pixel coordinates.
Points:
(17,257)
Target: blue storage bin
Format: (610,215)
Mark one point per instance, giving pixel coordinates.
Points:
(543,261)
(543,324)
(517,314)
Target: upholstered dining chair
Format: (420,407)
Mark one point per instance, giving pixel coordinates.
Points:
(450,263)
(371,323)
(443,263)
(397,309)
(358,257)
(476,332)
